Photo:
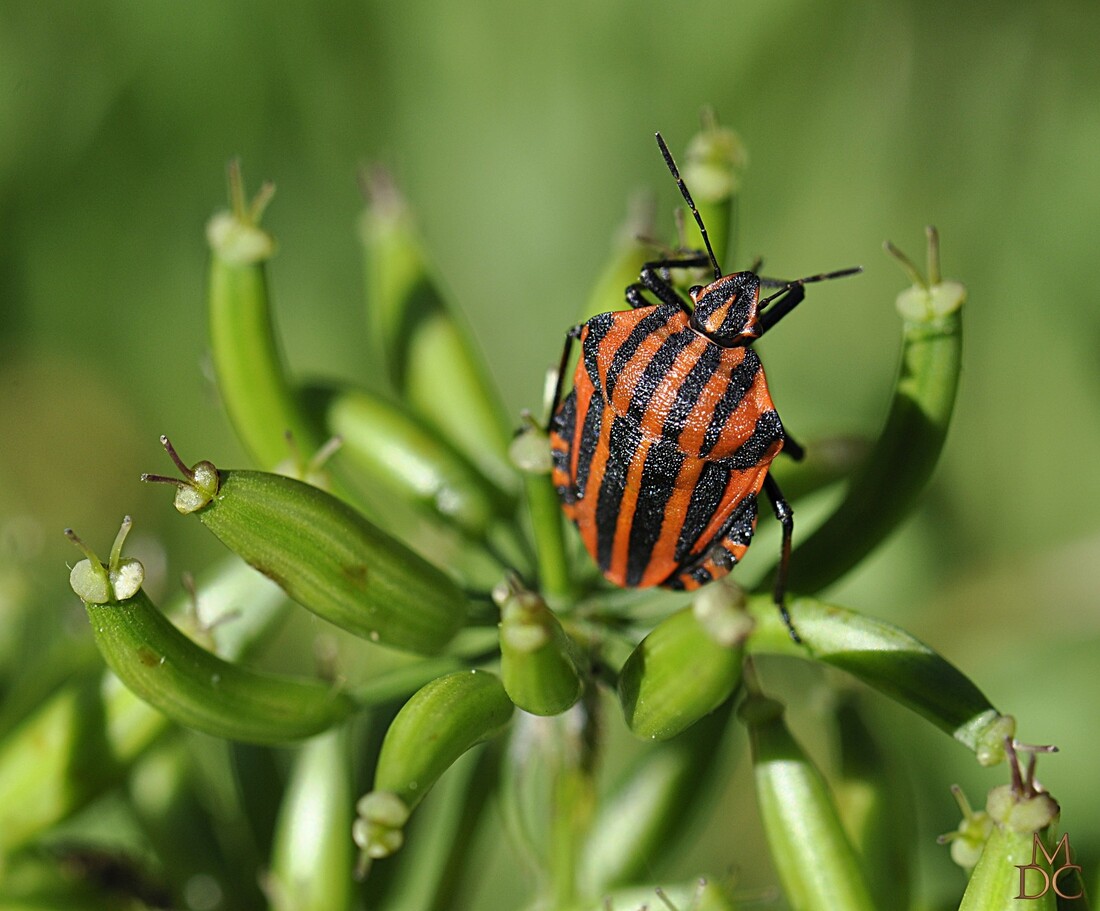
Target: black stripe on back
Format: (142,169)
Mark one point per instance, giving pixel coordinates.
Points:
(643,329)
(741,524)
(662,467)
(586,443)
(768,429)
(705,499)
(741,380)
(564,424)
(687,396)
(598,327)
(623,443)
(656,371)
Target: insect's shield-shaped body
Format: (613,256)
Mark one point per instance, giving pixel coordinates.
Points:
(662,446)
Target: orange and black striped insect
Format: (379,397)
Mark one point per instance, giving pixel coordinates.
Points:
(662,447)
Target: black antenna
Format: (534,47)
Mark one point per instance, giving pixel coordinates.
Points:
(824,276)
(691,204)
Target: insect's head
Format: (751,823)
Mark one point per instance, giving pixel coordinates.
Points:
(726,310)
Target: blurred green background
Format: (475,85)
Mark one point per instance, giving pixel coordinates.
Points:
(518,132)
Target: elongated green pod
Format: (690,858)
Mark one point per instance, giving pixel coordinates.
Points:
(884,490)
(324,554)
(428,353)
(653,808)
(393,451)
(82,740)
(817,865)
(313,858)
(1018,862)
(658,696)
(437,725)
(890,660)
(183,680)
(876,808)
(539,663)
(255,390)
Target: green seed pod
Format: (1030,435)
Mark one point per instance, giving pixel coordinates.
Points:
(83,739)
(893,662)
(427,352)
(654,807)
(442,853)
(538,661)
(437,725)
(884,490)
(1013,865)
(817,866)
(324,554)
(392,451)
(658,697)
(312,861)
(252,380)
(180,678)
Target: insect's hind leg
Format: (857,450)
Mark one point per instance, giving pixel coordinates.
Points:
(785,515)
(792,448)
(571,336)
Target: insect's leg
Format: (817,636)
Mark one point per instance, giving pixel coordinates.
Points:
(571,336)
(652,280)
(792,448)
(781,307)
(785,515)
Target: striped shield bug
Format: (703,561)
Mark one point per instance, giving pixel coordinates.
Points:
(663,445)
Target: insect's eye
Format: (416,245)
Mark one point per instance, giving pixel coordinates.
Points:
(695,291)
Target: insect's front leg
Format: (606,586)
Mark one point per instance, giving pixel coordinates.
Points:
(651,279)
(785,515)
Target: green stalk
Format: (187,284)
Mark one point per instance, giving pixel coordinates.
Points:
(817,865)
(255,390)
(313,857)
(875,807)
(652,811)
(530,453)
